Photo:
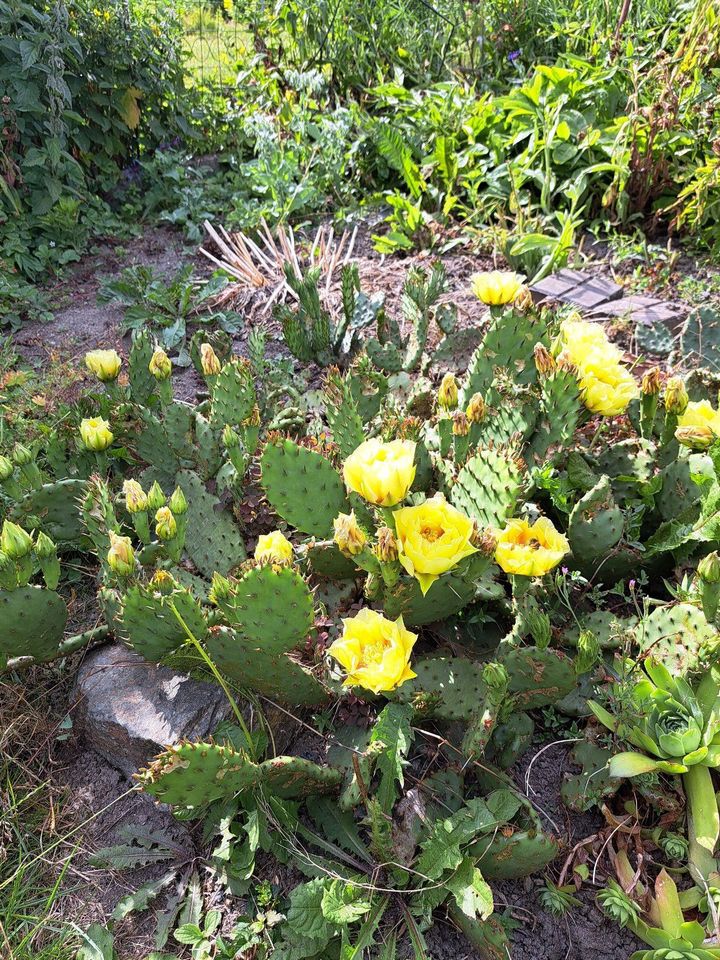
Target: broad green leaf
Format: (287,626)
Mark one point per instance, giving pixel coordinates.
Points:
(392,735)
(305,915)
(343,903)
(471,892)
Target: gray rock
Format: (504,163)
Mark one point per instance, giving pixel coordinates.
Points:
(129,709)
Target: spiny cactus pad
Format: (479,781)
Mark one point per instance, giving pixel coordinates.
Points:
(303,487)
(679,636)
(487,487)
(213,541)
(596,524)
(233,395)
(607,627)
(57,506)
(195,774)
(33,620)
(152,627)
(446,687)
(679,489)
(509,344)
(538,677)
(447,596)
(142,382)
(327,561)
(559,414)
(270,607)
(270,672)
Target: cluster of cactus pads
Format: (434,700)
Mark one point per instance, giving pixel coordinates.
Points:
(511,439)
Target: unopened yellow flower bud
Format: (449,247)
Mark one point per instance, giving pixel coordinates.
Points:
(135,497)
(163,582)
(178,503)
(14,541)
(155,497)
(21,455)
(96,434)
(121,556)
(160,366)
(448,392)
(697,438)
(651,382)
(209,360)
(105,364)
(460,424)
(709,568)
(476,408)
(544,360)
(386,549)
(676,396)
(6,469)
(165,524)
(348,535)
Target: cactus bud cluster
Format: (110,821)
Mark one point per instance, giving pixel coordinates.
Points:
(348,535)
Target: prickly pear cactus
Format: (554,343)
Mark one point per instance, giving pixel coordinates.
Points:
(679,636)
(446,687)
(57,508)
(33,621)
(150,620)
(487,487)
(212,540)
(341,410)
(508,344)
(679,489)
(596,525)
(270,614)
(608,628)
(560,413)
(538,677)
(142,383)
(326,561)
(302,486)
(471,580)
(233,395)
(196,774)
(520,852)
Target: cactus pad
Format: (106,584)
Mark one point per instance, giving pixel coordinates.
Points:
(33,621)
(326,561)
(233,395)
(538,677)
(679,636)
(679,489)
(508,344)
(487,487)
(289,777)
(213,541)
(595,525)
(195,774)
(57,506)
(303,487)
(150,624)
(447,687)
(559,414)
(447,595)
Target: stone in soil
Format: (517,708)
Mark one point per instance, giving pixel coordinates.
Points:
(129,709)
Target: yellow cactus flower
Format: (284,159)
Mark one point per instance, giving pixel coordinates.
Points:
(497,287)
(382,473)
(583,341)
(160,365)
(676,396)
(374,651)
(105,364)
(432,539)
(274,548)
(606,386)
(135,497)
(699,425)
(448,392)
(530,550)
(348,535)
(95,433)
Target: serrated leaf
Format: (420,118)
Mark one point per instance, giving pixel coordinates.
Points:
(305,915)
(188,933)
(441,850)
(192,907)
(393,731)
(142,897)
(337,825)
(472,894)
(343,903)
(97,944)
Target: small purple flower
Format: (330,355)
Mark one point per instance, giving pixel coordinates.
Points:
(564,571)
(513,55)
(631,584)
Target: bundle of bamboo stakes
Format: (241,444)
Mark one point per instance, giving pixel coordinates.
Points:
(258,267)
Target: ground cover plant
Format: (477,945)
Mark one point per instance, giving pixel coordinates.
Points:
(443,555)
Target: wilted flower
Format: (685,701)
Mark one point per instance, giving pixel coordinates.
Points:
(651,382)
(460,424)
(382,473)
(433,537)
(104,364)
(348,535)
(135,499)
(448,392)
(374,651)
(274,548)
(476,409)
(165,524)
(544,360)
(160,366)
(496,287)
(120,556)
(386,549)
(530,550)
(209,360)
(96,434)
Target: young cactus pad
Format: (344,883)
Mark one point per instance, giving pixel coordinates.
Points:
(487,487)
(233,395)
(57,507)
(679,636)
(150,620)
(212,540)
(303,487)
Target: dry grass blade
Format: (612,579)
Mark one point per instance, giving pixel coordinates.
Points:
(258,266)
